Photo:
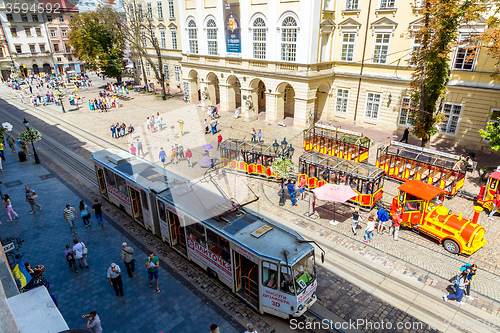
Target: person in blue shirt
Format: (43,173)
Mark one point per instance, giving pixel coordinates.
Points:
(163,156)
(382,217)
(292,192)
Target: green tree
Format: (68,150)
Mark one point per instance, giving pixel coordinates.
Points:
(492,133)
(30,136)
(97,41)
(282,167)
(438,36)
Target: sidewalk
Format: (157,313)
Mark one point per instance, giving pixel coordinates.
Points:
(177,308)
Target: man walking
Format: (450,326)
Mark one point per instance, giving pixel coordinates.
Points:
(152,263)
(356,218)
(382,217)
(97,208)
(11,142)
(163,156)
(292,192)
(189,157)
(128,259)
(405,135)
(69,215)
(31,199)
(115,279)
(396,223)
(139,148)
(94,323)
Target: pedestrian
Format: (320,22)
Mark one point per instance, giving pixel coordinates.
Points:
(205,123)
(459,293)
(162,156)
(302,188)
(31,197)
(80,253)
(259,135)
(172,155)
(70,257)
(152,263)
(11,142)
(128,259)
(382,217)
(97,208)
(139,147)
(69,215)
(8,207)
(214,328)
(189,157)
(2,155)
(132,148)
(219,141)
(118,128)
(24,146)
(494,209)
(115,279)
(250,329)
(159,121)
(213,123)
(370,226)
(113,131)
(405,135)
(85,214)
(150,125)
(396,223)
(94,323)
(253,135)
(470,277)
(356,218)
(292,192)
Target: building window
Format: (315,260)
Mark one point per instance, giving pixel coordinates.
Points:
(148,69)
(24,17)
(131,12)
(10,17)
(13,31)
(465,56)
(32,49)
(149,10)
(64,32)
(173,35)
(61,19)
(52,33)
(49,18)
(56,47)
(387,3)
(212,37)
(163,40)
(171,11)
(193,37)
(34,17)
(177,71)
(139,11)
(165,71)
(143,38)
(38,32)
(19,49)
(259,38)
(70,58)
(351,4)
(381,49)
(289,39)
(159,9)
(342,97)
(42,47)
(405,116)
(450,122)
(347,53)
(27,31)
(372,105)
(139,68)
(59,59)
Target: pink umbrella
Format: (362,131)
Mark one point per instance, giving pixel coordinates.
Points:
(334,193)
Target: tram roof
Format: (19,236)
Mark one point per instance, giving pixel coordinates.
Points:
(420,189)
(425,155)
(339,133)
(247,146)
(360,170)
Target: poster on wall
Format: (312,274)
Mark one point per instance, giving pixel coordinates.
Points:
(232,28)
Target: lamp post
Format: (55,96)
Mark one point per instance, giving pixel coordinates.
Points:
(27,124)
(285,151)
(60,95)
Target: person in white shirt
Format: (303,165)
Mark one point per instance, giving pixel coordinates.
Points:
(370,226)
(115,278)
(78,253)
(250,329)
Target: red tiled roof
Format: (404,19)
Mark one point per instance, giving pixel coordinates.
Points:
(65,6)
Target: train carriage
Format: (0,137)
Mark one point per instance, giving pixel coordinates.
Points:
(333,141)
(489,191)
(366,180)
(269,266)
(407,162)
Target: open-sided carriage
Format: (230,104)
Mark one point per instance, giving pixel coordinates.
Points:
(337,142)
(407,162)
(366,180)
(489,191)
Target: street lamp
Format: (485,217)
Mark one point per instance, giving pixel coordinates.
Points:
(27,124)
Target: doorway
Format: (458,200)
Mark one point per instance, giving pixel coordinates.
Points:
(177,233)
(246,275)
(102,182)
(213,89)
(136,205)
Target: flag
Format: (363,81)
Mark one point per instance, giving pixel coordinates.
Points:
(20,273)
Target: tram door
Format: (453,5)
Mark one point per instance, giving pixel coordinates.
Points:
(135,198)
(101,181)
(246,275)
(177,233)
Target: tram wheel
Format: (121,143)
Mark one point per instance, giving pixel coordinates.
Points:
(451,246)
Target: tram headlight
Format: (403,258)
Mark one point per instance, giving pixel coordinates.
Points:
(300,308)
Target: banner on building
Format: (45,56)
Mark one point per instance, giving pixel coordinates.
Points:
(232,28)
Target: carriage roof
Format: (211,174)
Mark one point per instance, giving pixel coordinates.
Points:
(337,133)
(248,146)
(202,200)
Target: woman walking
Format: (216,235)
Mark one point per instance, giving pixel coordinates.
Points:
(8,207)
(470,277)
(459,293)
(85,213)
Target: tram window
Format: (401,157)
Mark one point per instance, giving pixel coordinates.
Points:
(302,168)
(218,245)
(304,272)
(161,209)
(312,171)
(286,281)
(437,200)
(110,177)
(413,205)
(121,185)
(144,199)
(195,231)
(493,183)
(269,275)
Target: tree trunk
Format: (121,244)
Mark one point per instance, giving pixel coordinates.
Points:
(144,72)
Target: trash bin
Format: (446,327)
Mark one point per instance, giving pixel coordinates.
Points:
(22,156)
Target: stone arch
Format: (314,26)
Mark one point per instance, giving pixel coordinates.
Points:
(258,93)
(213,88)
(285,102)
(194,86)
(233,93)
(36,69)
(322,101)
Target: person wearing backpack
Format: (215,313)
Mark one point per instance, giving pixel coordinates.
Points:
(470,277)
(461,284)
(68,254)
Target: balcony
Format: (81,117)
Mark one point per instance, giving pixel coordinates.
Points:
(31,54)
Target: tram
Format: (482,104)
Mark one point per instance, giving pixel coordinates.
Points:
(422,209)
(268,265)
(366,180)
(407,162)
(254,158)
(489,191)
(333,141)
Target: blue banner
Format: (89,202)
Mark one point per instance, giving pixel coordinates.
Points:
(232,28)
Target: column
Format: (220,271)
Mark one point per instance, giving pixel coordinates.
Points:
(193,89)
(304,112)
(249,107)
(274,106)
(205,99)
(227,97)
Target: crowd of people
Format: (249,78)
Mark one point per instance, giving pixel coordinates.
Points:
(118,131)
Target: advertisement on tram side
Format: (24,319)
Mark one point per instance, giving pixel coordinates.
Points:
(216,263)
(278,300)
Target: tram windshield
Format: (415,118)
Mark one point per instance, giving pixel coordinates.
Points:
(304,272)
(437,200)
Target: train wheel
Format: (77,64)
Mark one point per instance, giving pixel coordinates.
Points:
(451,246)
